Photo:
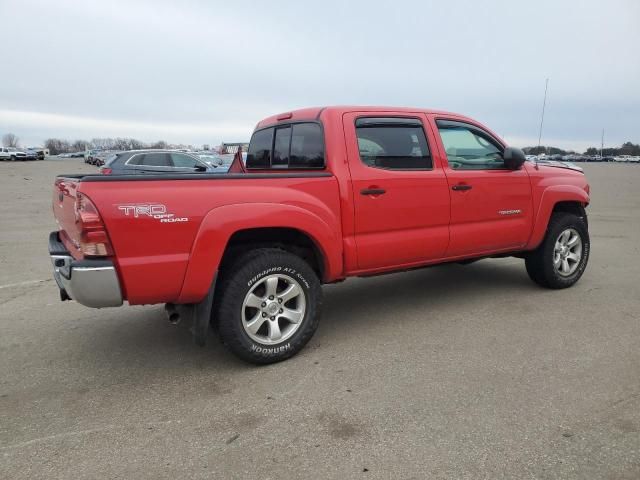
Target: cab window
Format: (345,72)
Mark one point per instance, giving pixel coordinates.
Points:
(469,148)
(281,145)
(259,153)
(297,145)
(393,143)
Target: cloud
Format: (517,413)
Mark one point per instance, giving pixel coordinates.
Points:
(86,127)
(194,71)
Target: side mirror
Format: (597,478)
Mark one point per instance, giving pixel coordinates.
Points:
(513,158)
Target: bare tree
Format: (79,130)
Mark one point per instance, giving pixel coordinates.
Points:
(103,143)
(159,144)
(80,146)
(10,140)
(136,144)
(57,146)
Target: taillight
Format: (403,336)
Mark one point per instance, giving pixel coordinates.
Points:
(106,171)
(94,241)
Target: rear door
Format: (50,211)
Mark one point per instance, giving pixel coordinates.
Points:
(491,206)
(401,197)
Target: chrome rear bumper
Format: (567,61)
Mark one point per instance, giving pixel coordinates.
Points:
(93,283)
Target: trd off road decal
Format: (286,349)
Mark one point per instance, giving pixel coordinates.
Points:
(157,211)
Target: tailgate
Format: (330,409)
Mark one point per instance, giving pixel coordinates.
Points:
(64,201)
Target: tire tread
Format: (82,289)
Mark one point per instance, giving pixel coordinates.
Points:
(233,286)
(537,263)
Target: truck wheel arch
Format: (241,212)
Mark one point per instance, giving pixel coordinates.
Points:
(226,227)
(289,239)
(567,198)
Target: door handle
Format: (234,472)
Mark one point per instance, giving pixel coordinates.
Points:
(373,191)
(461,187)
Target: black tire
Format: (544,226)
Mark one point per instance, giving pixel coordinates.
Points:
(238,280)
(540,262)
(13,158)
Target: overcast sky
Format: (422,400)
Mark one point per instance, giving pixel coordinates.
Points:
(203,71)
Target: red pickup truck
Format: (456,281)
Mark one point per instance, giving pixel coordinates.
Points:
(326,193)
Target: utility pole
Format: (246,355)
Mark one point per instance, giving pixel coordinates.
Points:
(544,103)
(602,145)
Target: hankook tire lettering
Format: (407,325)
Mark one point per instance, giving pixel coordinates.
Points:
(270,351)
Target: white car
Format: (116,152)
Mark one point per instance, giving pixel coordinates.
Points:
(11,153)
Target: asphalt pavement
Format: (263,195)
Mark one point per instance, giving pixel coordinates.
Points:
(462,372)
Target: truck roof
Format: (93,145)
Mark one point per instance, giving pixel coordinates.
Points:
(313,113)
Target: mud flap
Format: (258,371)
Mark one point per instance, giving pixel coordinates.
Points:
(201,314)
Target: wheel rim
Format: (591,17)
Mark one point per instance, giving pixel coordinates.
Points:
(567,252)
(273,309)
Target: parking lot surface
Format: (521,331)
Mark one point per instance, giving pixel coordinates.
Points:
(455,371)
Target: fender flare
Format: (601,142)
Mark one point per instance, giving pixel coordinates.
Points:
(221,223)
(551,196)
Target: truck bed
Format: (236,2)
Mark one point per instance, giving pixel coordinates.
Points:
(158,223)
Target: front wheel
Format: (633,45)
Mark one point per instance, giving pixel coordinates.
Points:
(561,259)
(270,305)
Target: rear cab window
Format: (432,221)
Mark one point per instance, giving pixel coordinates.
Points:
(288,146)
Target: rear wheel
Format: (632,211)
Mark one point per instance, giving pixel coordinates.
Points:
(561,259)
(269,307)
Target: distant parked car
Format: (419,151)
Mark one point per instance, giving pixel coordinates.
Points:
(227,159)
(154,161)
(627,159)
(89,156)
(11,153)
(100,158)
(30,154)
(39,152)
(211,159)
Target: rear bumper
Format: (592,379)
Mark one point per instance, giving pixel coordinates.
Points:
(93,283)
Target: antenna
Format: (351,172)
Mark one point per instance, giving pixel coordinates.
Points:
(544,103)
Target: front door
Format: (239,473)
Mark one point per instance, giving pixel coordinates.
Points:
(401,197)
(491,206)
